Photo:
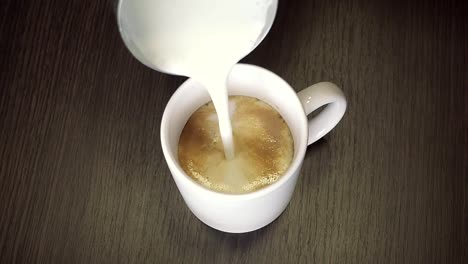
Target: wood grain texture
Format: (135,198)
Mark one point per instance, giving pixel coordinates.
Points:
(83,178)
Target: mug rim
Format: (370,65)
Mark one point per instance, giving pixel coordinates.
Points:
(295,165)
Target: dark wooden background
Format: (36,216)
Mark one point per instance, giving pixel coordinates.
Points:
(83,178)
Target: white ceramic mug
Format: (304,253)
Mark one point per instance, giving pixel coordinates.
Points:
(238,213)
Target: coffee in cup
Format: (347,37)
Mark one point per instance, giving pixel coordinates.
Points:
(263,146)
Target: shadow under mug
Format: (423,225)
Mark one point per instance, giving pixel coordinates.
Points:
(239,213)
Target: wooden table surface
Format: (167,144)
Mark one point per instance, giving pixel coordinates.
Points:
(83,178)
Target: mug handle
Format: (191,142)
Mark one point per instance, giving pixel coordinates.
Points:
(317,95)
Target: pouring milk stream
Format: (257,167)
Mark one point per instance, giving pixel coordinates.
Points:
(200,39)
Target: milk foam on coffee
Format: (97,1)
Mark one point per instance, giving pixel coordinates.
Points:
(201,39)
(262,139)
